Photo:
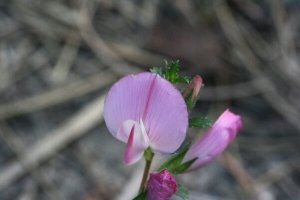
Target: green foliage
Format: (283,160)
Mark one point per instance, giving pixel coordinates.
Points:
(174,160)
(174,163)
(189,101)
(157,71)
(184,79)
(200,122)
(171,73)
(141,196)
(182,192)
(182,167)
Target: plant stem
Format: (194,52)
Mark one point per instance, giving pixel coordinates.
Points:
(146,172)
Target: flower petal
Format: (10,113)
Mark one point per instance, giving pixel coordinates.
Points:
(126,100)
(144,133)
(137,142)
(153,99)
(166,118)
(125,129)
(215,140)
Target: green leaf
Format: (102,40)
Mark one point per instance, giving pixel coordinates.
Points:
(200,122)
(171,72)
(182,192)
(184,79)
(184,166)
(141,196)
(157,71)
(175,160)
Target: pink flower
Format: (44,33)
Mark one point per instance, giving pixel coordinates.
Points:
(214,141)
(145,110)
(161,185)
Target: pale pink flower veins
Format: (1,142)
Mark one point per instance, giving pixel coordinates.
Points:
(145,110)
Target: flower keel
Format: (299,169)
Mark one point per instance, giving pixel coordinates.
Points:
(136,138)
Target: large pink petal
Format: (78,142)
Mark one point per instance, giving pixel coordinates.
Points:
(215,140)
(166,117)
(127,99)
(153,99)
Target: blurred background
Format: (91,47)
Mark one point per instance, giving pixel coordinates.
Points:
(58,58)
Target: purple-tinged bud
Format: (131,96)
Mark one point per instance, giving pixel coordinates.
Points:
(161,185)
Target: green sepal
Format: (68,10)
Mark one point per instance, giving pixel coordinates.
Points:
(189,102)
(174,159)
(157,71)
(200,122)
(182,191)
(174,163)
(148,154)
(141,196)
(184,166)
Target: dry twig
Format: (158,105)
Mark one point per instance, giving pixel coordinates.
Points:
(69,131)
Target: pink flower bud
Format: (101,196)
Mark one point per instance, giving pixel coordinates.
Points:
(194,87)
(161,185)
(214,140)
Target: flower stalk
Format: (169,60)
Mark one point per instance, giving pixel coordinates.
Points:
(146,171)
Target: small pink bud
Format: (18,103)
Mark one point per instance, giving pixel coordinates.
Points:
(161,185)
(195,85)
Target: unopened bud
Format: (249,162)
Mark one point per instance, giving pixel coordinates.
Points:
(161,185)
(191,93)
